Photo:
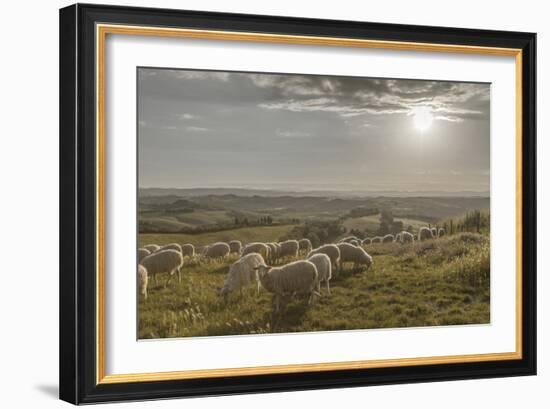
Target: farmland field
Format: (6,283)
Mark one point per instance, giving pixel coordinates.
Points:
(436,282)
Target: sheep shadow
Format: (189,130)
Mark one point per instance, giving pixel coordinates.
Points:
(291,313)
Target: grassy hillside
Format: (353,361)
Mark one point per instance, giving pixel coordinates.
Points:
(245,234)
(437,282)
(372,222)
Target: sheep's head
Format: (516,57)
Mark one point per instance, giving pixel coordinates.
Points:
(265,278)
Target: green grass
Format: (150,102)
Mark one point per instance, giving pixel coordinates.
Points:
(438,282)
(245,234)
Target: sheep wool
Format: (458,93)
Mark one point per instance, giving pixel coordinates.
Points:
(304,246)
(187,250)
(172,246)
(164,261)
(243,273)
(257,247)
(324,269)
(352,254)
(425,234)
(143,280)
(388,238)
(289,248)
(376,239)
(217,250)
(297,277)
(404,237)
(332,251)
(441,232)
(434,232)
(366,241)
(152,247)
(235,247)
(141,253)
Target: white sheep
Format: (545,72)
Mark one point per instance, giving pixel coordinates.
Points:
(366,241)
(388,238)
(298,277)
(217,251)
(353,254)
(348,239)
(376,239)
(152,247)
(141,253)
(434,232)
(404,237)
(235,247)
(424,233)
(289,248)
(243,273)
(257,247)
(164,261)
(304,246)
(355,242)
(172,246)
(143,280)
(332,251)
(272,252)
(441,232)
(187,250)
(324,269)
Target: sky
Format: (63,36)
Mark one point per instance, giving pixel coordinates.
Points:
(308,132)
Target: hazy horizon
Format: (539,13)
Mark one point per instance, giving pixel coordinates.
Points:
(216,130)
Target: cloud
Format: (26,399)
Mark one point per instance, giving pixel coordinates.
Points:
(351,96)
(196,129)
(292,134)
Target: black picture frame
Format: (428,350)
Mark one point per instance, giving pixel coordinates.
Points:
(78,360)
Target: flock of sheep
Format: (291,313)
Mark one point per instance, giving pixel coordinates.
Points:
(270,265)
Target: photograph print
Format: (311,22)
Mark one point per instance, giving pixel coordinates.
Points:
(284,203)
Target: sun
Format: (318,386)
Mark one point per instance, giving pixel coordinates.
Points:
(423,118)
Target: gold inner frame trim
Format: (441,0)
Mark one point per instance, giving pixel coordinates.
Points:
(101,33)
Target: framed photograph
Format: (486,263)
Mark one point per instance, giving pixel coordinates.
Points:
(257,203)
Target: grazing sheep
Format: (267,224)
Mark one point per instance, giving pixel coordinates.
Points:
(425,234)
(242,273)
(297,277)
(141,253)
(404,237)
(376,239)
(152,247)
(235,247)
(164,261)
(366,241)
(173,246)
(353,254)
(441,232)
(187,250)
(272,252)
(434,232)
(143,280)
(324,270)
(289,248)
(257,247)
(217,251)
(348,239)
(355,242)
(304,246)
(332,251)
(388,238)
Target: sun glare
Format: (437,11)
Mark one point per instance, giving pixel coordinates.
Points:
(422,118)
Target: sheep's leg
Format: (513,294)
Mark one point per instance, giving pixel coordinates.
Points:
(319,286)
(179,275)
(169,279)
(328,287)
